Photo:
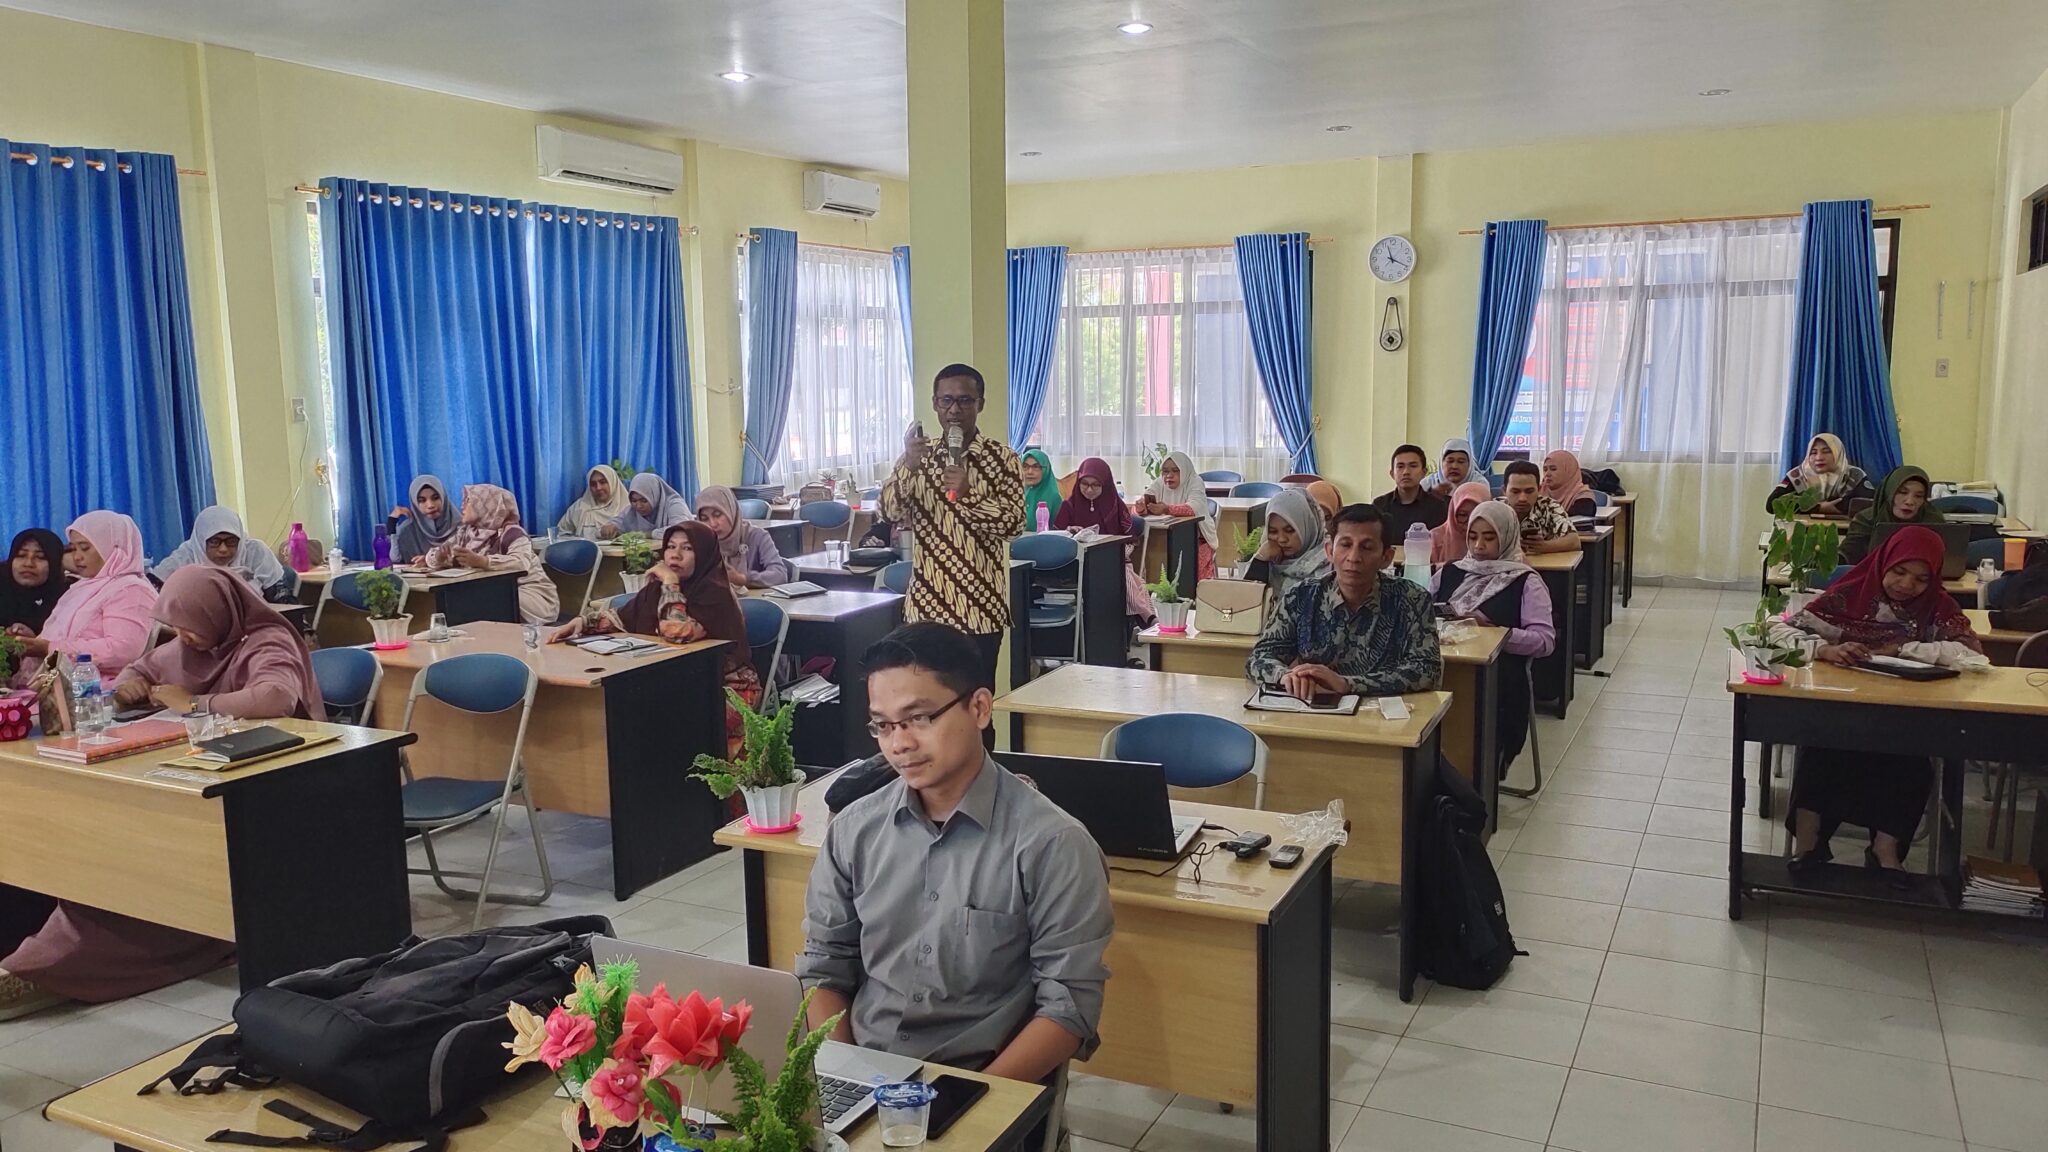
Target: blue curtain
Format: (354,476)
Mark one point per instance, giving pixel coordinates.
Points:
(1276,273)
(614,373)
(430,344)
(1038,279)
(900,258)
(97,375)
(1840,380)
(771,347)
(1510,277)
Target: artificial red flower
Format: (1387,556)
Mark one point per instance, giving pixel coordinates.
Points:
(616,1094)
(635,1027)
(569,1036)
(690,1032)
(736,1021)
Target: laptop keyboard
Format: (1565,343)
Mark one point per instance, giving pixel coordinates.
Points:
(837,1097)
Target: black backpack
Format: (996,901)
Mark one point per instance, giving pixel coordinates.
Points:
(2021,598)
(411,1038)
(1464,938)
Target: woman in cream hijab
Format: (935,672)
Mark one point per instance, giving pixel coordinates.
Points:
(603,500)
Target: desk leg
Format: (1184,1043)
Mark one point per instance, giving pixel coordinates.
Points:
(1735,814)
(316,858)
(473,600)
(1294,1018)
(1553,673)
(1486,740)
(1766,755)
(1418,786)
(657,719)
(1945,839)
(1628,553)
(1104,623)
(754,881)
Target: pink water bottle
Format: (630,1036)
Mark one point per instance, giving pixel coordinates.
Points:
(299,551)
(1044,516)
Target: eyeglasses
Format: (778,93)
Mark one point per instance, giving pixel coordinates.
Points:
(919,722)
(955,401)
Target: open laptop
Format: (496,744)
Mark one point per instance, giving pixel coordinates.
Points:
(1955,543)
(847,1074)
(1122,803)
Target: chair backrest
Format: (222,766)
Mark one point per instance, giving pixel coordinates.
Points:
(1255,490)
(1223,476)
(753,509)
(1840,571)
(1300,478)
(478,682)
(1992,550)
(895,578)
(825,514)
(1197,749)
(2033,652)
(767,627)
(574,557)
(348,679)
(1981,505)
(344,589)
(1601,499)
(1046,551)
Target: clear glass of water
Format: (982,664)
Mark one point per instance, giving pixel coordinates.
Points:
(905,1111)
(437,627)
(198,725)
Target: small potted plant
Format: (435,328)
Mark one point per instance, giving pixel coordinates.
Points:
(1155,458)
(626,471)
(764,772)
(637,549)
(1247,550)
(1764,661)
(384,595)
(1806,551)
(1168,606)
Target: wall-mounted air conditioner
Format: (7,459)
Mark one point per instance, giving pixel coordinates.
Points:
(576,158)
(830,194)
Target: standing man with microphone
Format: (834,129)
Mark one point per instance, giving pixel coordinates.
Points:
(960,499)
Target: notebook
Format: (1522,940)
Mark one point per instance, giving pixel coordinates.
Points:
(125,740)
(250,744)
(615,645)
(1905,669)
(794,589)
(207,762)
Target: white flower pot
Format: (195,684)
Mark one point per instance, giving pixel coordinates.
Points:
(772,807)
(391,633)
(1757,666)
(634,581)
(1796,602)
(1172,617)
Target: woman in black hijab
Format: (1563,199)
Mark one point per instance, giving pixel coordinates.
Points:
(31,581)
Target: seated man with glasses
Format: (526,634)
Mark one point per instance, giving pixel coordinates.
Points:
(955,915)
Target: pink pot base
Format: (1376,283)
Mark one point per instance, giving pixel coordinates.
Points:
(1180,631)
(1767,680)
(757,830)
(391,647)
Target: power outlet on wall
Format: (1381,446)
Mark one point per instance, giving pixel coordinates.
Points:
(1941,368)
(299,402)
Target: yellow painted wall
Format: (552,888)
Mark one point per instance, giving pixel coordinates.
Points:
(2015,406)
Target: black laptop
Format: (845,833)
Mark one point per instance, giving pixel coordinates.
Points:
(1955,543)
(1122,803)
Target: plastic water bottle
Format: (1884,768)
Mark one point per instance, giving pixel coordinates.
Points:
(88,699)
(1415,556)
(380,546)
(298,550)
(532,637)
(1044,516)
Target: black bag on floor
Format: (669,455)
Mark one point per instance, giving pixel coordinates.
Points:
(411,1038)
(1464,936)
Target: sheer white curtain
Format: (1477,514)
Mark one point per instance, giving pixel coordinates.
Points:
(851,399)
(1665,352)
(1154,349)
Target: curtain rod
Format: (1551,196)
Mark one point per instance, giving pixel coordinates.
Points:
(309,190)
(1698,220)
(95,165)
(1313,240)
(743,236)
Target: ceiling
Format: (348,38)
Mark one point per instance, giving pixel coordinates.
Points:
(1217,83)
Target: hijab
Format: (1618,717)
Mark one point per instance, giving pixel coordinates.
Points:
(119,543)
(1485,579)
(1447,540)
(707,596)
(253,559)
(420,534)
(1190,492)
(1843,477)
(1568,482)
(1851,603)
(586,513)
(733,545)
(1326,497)
(497,517)
(1046,492)
(30,604)
(248,641)
(1454,444)
(1107,513)
(1863,525)
(669,507)
(1294,506)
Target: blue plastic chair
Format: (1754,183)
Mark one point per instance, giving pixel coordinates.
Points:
(1047,553)
(348,679)
(1840,571)
(1197,750)
(1255,490)
(827,516)
(1601,499)
(894,578)
(1992,550)
(574,558)
(342,589)
(1222,476)
(767,627)
(482,684)
(1978,505)
(753,509)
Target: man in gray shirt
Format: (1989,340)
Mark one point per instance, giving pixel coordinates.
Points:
(955,915)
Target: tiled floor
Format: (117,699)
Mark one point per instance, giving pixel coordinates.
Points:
(1642,1019)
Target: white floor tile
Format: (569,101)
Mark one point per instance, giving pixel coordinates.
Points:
(1684,855)
(1712,795)
(1617,699)
(1888,960)
(1995,1041)
(1608,1114)
(1558,970)
(29,1132)
(1377,1131)
(2005,977)
(1605,759)
(1673,892)
(1341,1118)
(1625,739)
(1502,1021)
(1783,1130)
(1593,812)
(2005,1112)
(1870,1021)
(674,925)
(1696,767)
(1682,991)
(105,1040)
(1111,1111)
(1715,942)
(1604,717)
(22,1090)
(1191,1125)
(1498,1094)
(1675,1053)
(1372,1004)
(1608,785)
(1356,1057)
(1560,920)
(1577,879)
(1579,842)
(1868,1087)
(213,994)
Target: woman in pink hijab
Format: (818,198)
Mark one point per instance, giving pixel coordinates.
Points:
(106,615)
(490,537)
(1565,482)
(232,654)
(1447,540)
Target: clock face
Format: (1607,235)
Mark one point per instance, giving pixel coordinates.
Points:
(1392,259)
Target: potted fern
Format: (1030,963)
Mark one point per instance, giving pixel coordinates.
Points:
(383,595)
(774,1115)
(1764,661)
(1247,550)
(1807,551)
(764,772)
(1168,606)
(636,557)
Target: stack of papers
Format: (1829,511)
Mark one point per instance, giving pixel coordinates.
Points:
(1994,886)
(812,690)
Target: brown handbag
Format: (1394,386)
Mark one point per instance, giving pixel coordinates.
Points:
(53,697)
(1231,607)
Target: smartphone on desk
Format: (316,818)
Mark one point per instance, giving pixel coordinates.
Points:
(955,1095)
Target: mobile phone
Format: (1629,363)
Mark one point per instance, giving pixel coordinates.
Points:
(138,712)
(1286,856)
(955,1095)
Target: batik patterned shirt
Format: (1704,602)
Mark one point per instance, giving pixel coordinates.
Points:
(1547,521)
(960,560)
(1387,647)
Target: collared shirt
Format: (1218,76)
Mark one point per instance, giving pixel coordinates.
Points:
(959,571)
(1387,647)
(1547,521)
(949,938)
(1428,510)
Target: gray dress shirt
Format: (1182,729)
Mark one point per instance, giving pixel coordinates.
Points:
(949,938)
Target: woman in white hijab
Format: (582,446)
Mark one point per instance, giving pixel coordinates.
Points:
(1827,472)
(603,499)
(1492,585)
(651,506)
(218,539)
(1179,492)
(1292,549)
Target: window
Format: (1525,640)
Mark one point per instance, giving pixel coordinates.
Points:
(2036,254)
(318,260)
(1886,234)
(1154,349)
(850,400)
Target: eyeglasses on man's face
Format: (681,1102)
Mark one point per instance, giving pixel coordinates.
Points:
(915,722)
(955,401)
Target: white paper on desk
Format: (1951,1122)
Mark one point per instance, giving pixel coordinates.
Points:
(447,573)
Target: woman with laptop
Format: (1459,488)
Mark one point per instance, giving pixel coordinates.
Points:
(1901,499)
(1890,604)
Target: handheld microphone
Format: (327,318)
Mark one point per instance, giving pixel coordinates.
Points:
(954,442)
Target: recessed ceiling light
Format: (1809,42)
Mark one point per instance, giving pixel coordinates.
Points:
(1338,128)
(1030,153)
(736,76)
(1717,92)
(1134,28)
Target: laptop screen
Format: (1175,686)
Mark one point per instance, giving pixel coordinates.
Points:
(1122,803)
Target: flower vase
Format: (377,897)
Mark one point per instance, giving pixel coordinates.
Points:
(1173,618)
(587,1137)
(634,581)
(772,809)
(390,633)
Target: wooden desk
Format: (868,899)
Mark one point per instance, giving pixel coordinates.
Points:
(1561,572)
(300,859)
(1171,544)
(1105,626)
(824,570)
(1594,591)
(1236,516)
(1219,989)
(1994,715)
(1471,675)
(840,625)
(610,736)
(1625,543)
(478,594)
(527,1119)
(2001,644)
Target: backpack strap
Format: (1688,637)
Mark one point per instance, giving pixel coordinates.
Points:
(430,1135)
(221,1052)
